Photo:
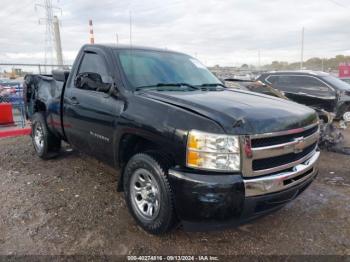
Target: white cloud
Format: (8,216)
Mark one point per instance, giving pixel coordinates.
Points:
(218,32)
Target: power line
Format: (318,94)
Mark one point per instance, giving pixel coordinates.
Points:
(48,20)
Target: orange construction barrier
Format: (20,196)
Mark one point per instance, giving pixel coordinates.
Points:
(6,117)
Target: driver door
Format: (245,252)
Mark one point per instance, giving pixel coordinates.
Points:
(90,113)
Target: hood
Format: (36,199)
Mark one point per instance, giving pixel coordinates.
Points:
(240,112)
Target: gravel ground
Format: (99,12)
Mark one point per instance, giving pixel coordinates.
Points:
(69,205)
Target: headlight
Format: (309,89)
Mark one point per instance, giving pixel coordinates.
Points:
(213,151)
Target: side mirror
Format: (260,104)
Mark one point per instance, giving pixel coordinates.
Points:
(93,81)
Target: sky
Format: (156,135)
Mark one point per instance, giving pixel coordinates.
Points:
(228,33)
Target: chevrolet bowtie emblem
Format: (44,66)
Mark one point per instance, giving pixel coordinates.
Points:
(299,145)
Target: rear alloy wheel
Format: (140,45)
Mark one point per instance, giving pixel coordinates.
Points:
(148,194)
(46,144)
(38,138)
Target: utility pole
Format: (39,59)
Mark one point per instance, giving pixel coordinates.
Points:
(259,60)
(58,45)
(302,49)
(117,38)
(48,20)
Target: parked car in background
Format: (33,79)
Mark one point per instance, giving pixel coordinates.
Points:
(9,90)
(314,89)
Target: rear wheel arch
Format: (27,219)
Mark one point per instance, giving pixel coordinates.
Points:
(39,106)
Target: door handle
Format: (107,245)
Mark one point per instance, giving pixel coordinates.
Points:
(74,100)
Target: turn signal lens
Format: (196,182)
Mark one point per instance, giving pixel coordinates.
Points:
(193,158)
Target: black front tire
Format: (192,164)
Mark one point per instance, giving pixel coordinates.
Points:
(165,219)
(46,144)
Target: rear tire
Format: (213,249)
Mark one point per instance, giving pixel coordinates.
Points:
(46,144)
(148,194)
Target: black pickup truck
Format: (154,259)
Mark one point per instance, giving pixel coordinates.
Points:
(190,151)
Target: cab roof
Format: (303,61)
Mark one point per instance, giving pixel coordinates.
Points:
(130,47)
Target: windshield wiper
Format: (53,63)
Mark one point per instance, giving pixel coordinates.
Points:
(166,85)
(212,85)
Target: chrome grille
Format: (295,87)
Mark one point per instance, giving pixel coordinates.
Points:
(266,154)
(275,140)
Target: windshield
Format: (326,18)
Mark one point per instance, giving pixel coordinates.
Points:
(337,83)
(151,68)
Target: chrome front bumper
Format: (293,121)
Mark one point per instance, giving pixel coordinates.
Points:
(281,181)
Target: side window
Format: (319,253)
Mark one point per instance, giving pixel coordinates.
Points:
(285,83)
(94,63)
(271,79)
(312,86)
(301,84)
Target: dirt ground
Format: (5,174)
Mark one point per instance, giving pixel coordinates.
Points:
(69,205)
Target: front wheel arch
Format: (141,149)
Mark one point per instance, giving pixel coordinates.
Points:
(158,166)
(129,145)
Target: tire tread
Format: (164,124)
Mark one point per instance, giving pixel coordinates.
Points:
(52,144)
(161,165)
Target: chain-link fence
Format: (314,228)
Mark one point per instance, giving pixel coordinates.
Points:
(12,106)
(12,70)
(12,103)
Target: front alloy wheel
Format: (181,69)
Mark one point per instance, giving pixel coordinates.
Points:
(145,194)
(148,193)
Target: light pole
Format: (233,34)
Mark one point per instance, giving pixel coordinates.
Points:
(130,28)
(302,49)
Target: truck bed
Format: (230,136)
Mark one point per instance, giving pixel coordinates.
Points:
(44,92)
